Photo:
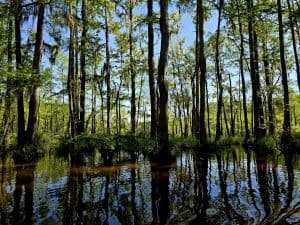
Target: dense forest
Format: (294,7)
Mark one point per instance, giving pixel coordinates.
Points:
(203,69)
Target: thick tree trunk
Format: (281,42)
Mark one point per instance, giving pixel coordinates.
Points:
(82,67)
(20,94)
(8,100)
(259,130)
(286,123)
(34,98)
(152,85)
(162,82)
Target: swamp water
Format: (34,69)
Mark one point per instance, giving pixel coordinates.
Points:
(233,187)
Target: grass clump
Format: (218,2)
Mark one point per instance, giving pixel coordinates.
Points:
(266,144)
(180,143)
(31,152)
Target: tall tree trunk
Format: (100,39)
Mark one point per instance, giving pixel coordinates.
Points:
(268,79)
(291,21)
(197,75)
(162,82)
(107,52)
(241,62)
(34,98)
(207,110)
(232,117)
(202,63)
(8,100)
(256,98)
(286,123)
(132,72)
(20,91)
(71,76)
(218,74)
(152,85)
(82,67)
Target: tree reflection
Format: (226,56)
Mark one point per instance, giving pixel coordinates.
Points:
(73,206)
(24,178)
(3,194)
(201,188)
(160,193)
(263,181)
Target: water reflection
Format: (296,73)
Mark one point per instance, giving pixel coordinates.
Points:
(160,193)
(234,186)
(201,189)
(23,213)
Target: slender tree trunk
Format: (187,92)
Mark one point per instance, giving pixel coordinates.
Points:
(132,72)
(71,76)
(82,67)
(107,51)
(152,88)
(218,74)
(162,82)
(202,63)
(232,119)
(268,80)
(207,110)
(197,74)
(291,21)
(225,120)
(286,123)
(241,62)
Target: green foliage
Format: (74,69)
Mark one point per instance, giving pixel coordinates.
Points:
(28,153)
(266,144)
(230,140)
(179,143)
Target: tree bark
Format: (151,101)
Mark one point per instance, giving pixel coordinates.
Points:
(107,52)
(268,80)
(20,91)
(232,117)
(218,74)
(241,62)
(34,98)
(8,100)
(71,76)
(82,67)
(259,130)
(132,72)
(152,86)
(202,63)
(291,23)
(162,82)
(286,123)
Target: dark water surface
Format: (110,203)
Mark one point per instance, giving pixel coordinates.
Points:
(233,187)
